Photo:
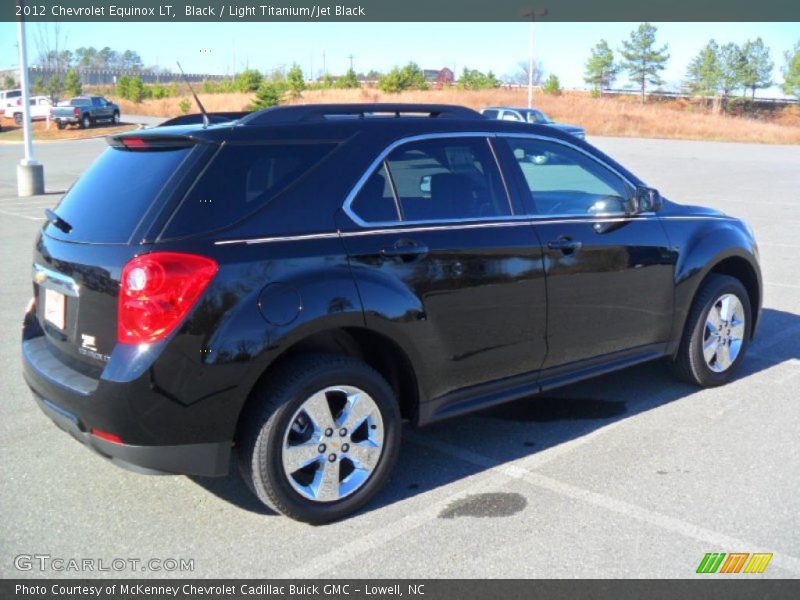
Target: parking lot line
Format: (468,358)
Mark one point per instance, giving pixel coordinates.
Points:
(11,214)
(651,517)
(786,285)
(380,536)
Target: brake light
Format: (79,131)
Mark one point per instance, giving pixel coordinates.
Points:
(157,291)
(76,112)
(135,143)
(109,437)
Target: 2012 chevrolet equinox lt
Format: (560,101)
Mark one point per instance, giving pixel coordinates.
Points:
(291,284)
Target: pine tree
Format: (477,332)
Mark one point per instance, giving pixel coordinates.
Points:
(135,89)
(295,81)
(72,83)
(730,63)
(552,85)
(266,96)
(641,58)
(248,80)
(791,72)
(601,71)
(348,81)
(757,66)
(705,71)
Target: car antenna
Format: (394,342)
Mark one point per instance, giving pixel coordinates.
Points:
(206,120)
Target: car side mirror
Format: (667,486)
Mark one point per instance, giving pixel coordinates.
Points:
(646,199)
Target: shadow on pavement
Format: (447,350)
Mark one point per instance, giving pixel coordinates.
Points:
(523,428)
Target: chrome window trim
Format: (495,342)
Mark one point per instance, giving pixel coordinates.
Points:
(350,198)
(347,208)
(477,224)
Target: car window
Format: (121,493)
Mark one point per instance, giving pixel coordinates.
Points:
(536,116)
(375,202)
(447,178)
(240,179)
(120,182)
(563,180)
(490,113)
(509,115)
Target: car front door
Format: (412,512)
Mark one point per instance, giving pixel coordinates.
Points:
(609,272)
(443,263)
(100,109)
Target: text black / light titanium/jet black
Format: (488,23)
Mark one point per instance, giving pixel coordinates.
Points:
(291,284)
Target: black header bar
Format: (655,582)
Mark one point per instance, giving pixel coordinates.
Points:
(240,11)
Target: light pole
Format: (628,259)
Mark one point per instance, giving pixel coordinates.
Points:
(30,174)
(531,13)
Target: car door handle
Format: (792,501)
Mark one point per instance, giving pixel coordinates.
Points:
(565,244)
(405,249)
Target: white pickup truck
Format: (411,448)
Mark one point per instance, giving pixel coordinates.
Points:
(40,109)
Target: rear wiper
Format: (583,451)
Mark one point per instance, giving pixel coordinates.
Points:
(57,221)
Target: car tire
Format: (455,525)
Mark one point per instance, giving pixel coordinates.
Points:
(61,125)
(710,354)
(18,119)
(285,413)
(115,119)
(86,122)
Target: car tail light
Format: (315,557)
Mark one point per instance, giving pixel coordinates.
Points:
(157,291)
(109,437)
(76,112)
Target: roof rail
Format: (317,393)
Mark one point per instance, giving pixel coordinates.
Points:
(195,119)
(318,112)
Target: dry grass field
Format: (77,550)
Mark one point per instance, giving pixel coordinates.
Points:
(609,116)
(13,133)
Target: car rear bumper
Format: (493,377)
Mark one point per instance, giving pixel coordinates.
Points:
(66,396)
(210,460)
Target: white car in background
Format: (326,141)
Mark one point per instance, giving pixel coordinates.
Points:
(40,109)
(9,97)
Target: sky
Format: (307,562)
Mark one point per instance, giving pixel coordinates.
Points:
(222,48)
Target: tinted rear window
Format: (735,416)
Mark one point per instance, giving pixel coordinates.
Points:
(106,204)
(241,179)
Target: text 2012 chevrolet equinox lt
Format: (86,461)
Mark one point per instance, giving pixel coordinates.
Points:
(291,284)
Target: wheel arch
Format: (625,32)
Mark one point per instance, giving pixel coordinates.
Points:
(377,350)
(734,262)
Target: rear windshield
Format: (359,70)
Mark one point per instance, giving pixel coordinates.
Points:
(107,203)
(241,179)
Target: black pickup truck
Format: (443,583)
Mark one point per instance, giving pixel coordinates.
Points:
(85,111)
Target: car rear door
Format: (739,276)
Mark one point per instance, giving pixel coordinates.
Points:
(444,266)
(609,273)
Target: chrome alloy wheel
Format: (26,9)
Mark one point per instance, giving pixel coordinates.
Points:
(333,443)
(724,333)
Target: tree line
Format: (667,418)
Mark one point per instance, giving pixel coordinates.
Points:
(717,70)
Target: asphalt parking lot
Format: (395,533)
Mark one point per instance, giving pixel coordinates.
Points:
(629,475)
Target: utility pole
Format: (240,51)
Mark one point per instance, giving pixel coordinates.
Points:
(30,174)
(351,57)
(324,68)
(531,13)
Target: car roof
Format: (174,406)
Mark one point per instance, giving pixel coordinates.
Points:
(337,122)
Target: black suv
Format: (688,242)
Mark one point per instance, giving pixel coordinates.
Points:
(293,283)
